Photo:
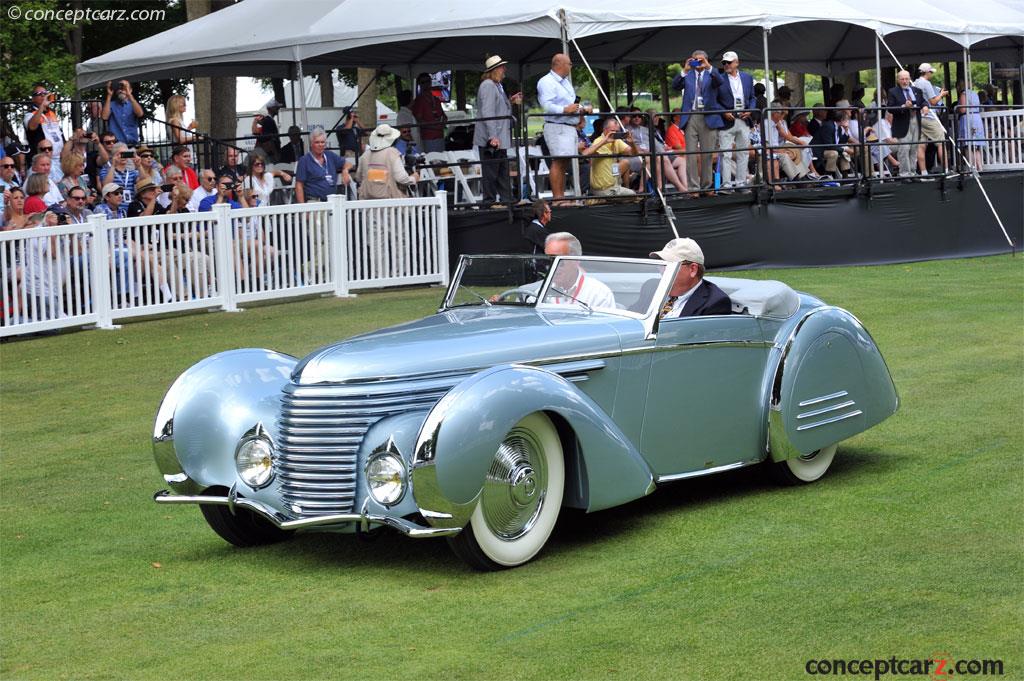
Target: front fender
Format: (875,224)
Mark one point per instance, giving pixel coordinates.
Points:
(208,409)
(458,440)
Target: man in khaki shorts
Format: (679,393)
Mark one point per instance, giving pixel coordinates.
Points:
(931,128)
(558,99)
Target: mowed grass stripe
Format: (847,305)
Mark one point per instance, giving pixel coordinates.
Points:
(912,544)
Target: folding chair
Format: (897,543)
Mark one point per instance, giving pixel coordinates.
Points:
(463,178)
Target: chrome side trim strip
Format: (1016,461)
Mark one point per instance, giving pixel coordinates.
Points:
(406,527)
(841,417)
(823,398)
(825,410)
(706,471)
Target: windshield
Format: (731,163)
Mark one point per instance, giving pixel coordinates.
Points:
(604,285)
(499,280)
(613,285)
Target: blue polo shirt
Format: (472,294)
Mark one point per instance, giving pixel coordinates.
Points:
(206,205)
(122,123)
(319,180)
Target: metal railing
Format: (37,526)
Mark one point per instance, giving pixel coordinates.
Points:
(101,271)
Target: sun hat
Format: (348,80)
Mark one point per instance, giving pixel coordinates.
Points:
(926,68)
(142,186)
(382,137)
(493,62)
(730,57)
(680,250)
(110,187)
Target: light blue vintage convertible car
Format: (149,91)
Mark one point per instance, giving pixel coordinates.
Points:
(481,422)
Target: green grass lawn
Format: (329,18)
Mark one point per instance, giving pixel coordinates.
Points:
(912,544)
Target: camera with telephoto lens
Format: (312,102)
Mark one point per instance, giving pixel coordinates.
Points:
(411,159)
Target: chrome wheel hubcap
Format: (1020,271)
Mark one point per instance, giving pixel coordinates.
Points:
(514,490)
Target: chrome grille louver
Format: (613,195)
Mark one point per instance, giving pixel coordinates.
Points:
(322,426)
(320,431)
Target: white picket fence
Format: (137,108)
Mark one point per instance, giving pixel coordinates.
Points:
(1004,135)
(107,270)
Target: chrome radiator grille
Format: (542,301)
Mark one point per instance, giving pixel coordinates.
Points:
(320,431)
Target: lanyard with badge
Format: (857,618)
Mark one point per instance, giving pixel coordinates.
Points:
(699,100)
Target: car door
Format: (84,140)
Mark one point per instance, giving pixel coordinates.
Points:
(704,400)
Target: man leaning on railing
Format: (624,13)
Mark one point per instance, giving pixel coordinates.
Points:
(316,175)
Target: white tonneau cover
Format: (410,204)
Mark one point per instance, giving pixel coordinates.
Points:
(761,298)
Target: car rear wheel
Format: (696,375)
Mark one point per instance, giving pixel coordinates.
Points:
(804,469)
(520,501)
(243,527)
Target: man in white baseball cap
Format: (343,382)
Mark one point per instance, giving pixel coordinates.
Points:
(691,295)
(735,93)
(931,128)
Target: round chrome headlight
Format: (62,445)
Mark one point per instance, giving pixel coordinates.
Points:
(385,478)
(254,461)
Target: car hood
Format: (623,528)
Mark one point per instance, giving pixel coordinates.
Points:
(462,340)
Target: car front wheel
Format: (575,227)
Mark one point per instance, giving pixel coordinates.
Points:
(243,527)
(520,501)
(801,470)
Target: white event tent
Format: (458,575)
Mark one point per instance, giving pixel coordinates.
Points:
(275,38)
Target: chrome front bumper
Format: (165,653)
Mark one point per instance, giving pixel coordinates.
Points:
(365,520)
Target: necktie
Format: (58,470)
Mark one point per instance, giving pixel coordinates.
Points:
(667,307)
(907,93)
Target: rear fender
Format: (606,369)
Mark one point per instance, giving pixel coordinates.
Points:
(831,383)
(460,435)
(208,409)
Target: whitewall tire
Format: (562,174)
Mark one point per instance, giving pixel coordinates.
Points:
(520,501)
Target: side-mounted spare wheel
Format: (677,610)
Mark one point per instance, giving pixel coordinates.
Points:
(520,500)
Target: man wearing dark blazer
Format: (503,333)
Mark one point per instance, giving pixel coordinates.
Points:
(735,92)
(830,143)
(907,104)
(691,295)
(699,84)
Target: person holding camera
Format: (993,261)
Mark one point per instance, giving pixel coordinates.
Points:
(43,123)
(265,128)
(492,138)
(122,112)
(699,84)
(229,191)
(120,172)
(606,171)
(381,170)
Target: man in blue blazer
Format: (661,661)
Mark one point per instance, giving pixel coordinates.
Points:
(699,84)
(735,92)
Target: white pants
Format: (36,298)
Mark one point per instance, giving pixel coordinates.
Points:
(734,161)
(906,154)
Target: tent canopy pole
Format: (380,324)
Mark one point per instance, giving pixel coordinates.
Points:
(767,74)
(878,75)
(593,76)
(302,95)
(974,171)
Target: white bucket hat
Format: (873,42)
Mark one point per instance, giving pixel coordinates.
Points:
(383,137)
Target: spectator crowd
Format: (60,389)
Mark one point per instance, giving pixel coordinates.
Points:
(715,142)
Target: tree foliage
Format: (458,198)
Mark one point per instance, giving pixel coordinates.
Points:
(45,51)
